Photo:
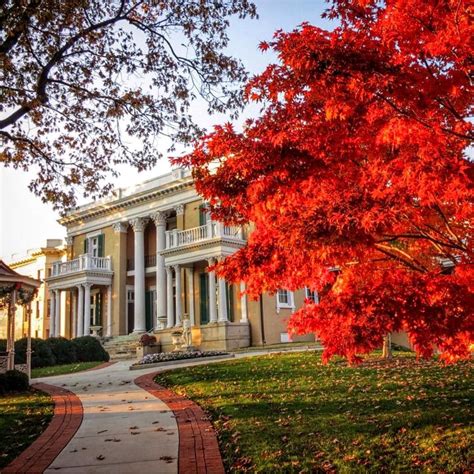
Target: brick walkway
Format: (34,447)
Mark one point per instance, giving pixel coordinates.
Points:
(198,448)
(66,420)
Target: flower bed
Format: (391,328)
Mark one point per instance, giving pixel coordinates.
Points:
(171,356)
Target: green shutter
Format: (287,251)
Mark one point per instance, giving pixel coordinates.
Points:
(101,245)
(86,242)
(229,290)
(202,214)
(98,309)
(149,310)
(204,297)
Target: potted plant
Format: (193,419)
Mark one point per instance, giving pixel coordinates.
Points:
(147,344)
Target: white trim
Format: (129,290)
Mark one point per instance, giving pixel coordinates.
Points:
(94,234)
(314,297)
(291,300)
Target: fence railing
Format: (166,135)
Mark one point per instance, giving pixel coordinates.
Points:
(81,263)
(178,238)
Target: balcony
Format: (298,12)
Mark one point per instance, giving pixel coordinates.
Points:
(150,261)
(212,230)
(82,263)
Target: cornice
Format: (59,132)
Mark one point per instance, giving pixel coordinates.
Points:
(103,209)
(202,245)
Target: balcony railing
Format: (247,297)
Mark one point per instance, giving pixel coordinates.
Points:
(150,261)
(81,263)
(177,238)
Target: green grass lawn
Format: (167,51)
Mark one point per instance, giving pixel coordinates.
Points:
(23,417)
(63,369)
(290,413)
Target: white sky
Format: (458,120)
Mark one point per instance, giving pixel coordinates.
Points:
(25,222)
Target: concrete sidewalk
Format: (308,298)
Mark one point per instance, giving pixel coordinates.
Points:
(124,429)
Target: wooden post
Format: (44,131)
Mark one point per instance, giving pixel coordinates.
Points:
(28,343)
(11,338)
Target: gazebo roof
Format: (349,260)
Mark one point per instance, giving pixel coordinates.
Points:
(9,277)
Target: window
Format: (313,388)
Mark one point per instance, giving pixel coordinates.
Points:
(37,309)
(130,296)
(284,299)
(94,245)
(311,295)
(48,304)
(39,275)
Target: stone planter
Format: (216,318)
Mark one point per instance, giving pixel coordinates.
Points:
(177,340)
(142,351)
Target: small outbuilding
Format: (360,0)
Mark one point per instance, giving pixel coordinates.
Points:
(16,289)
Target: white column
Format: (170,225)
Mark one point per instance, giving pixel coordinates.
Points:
(52,313)
(190,273)
(212,294)
(80,311)
(139,225)
(169,299)
(223,314)
(57,314)
(74,314)
(108,329)
(87,309)
(179,311)
(243,304)
(159,218)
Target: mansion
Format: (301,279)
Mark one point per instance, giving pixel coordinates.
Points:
(137,262)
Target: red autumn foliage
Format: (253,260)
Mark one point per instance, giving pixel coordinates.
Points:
(358,163)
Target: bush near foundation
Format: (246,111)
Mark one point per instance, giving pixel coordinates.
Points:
(13,381)
(64,350)
(41,356)
(89,349)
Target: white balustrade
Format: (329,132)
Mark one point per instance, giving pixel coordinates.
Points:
(81,263)
(177,238)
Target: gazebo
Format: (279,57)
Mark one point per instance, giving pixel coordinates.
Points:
(16,289)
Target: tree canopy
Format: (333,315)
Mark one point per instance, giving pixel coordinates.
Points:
(87,85)
(356,176)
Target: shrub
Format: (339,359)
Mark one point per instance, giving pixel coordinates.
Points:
(63,350)
(89,349)
(3,345)
(41,356)
(146,340)
(13,381)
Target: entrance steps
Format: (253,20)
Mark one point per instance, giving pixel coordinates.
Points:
(121,347)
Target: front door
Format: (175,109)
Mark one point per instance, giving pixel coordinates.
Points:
(149,296)
(130,310)
(204,297)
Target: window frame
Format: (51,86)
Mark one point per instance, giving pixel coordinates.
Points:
(290,304)
(311,295)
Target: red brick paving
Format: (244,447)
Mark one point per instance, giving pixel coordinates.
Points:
(66,420)
(198,448)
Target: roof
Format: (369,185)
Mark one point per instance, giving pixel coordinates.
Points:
(9,276)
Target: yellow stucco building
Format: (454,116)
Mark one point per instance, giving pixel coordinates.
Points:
(137,262)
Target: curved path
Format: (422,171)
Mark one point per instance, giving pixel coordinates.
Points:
(124,429)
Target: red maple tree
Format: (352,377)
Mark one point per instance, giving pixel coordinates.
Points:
(356,177)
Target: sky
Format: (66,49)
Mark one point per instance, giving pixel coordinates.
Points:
(26,222)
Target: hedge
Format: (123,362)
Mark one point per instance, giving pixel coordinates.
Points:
(58,350)
(13,381)
(89,349)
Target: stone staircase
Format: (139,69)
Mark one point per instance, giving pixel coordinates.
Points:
(121,347)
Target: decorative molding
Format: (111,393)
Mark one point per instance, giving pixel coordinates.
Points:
(211,261)
(139,223)
(120,227)
(92,212)
(179,209)
(177,173)
(69,240)
(159,217)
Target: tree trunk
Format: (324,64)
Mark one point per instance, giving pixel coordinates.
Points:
(387,347)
